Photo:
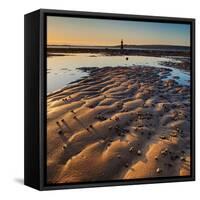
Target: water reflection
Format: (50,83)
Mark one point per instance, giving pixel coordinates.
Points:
(62,70)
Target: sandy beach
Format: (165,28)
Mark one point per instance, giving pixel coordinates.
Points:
(118,123)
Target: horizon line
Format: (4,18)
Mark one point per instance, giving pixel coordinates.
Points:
(119,45)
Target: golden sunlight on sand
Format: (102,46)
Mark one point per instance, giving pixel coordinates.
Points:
(118,123)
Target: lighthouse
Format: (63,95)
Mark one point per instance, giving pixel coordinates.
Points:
(122,44)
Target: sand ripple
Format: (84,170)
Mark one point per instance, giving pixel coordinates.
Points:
(118,123)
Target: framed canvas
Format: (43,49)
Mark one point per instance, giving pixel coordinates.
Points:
(109,99)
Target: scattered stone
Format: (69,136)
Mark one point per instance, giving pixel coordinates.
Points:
(116,118)
(176,77)
(91,126)
(158,170)
(108,144)
(163,137)
(174,157)
(182,158)
(131,149)
(179,130)
(156,157)
(139,152)
(100,117)
(173,134)
(60,132)
(126,165)
(64,146)
(58,124)
(163,152)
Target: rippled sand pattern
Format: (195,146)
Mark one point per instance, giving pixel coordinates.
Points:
(118,123)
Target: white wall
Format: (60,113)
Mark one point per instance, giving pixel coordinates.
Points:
(11,98)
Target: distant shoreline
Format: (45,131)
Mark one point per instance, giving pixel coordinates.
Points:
(144,50)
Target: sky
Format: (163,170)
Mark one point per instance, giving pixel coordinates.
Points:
(85,31)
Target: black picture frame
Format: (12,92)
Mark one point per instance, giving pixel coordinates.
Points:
(35,97)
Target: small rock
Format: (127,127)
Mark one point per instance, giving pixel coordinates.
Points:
(182,158)
(173,134)
(131,149)
(64,146)
(183,152)
(163,152)
(156,157)
(126,165)
(139,152)
(91,126)
(162,137)
(116,118)
(108,144)
(158,170)
(60,132)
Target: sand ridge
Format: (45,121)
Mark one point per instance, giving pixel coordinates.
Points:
(118,123)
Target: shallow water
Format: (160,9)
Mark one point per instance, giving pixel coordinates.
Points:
(62,70)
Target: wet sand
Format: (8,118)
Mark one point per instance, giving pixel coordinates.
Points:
(118,123)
